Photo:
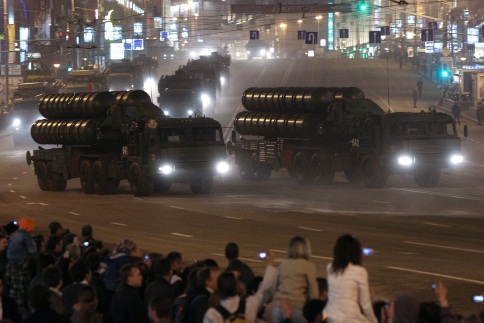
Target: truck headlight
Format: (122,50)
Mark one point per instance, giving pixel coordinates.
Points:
(456,159)
(190,112)
(166,169)
(405,160)
(16,122)
(223,167)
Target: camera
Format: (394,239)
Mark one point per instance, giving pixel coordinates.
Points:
(262,255)
(147,257)
(478,298)
(367,251)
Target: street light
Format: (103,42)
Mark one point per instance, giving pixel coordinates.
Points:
(387,50)
(56,66)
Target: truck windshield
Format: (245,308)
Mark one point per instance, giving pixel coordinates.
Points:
(190,135)
(419,128)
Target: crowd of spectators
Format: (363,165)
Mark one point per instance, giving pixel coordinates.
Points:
(69,278)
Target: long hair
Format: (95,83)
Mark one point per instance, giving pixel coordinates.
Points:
(298,248)
(347,250)
(87,302)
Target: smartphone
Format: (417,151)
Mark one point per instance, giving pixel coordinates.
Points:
(86,244)
(262,255)
(147,257)
(433,286)
(478,298)
(367,251)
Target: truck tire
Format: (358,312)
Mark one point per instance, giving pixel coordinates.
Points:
(162,185)
(246,166)
(427,176)
(201,185)
(42,175)
(56,181)
(103,185)
(140,184)
(320,168)
(300,166)
(263,172)
(371,173)
(86,176)
(353,175)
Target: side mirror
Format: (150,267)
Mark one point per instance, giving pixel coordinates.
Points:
(466,131)
(234,136)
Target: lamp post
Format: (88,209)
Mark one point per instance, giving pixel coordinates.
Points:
(6,49)
(56,66)
(387,50)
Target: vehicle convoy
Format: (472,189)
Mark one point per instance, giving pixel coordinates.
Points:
(315,132)
(106,137)
(25,112)
(181,103)
(79,81)
(123,76)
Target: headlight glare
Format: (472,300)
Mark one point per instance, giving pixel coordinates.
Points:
(405,160)
(456,159)
(16,122)
(167,169)
(222,167)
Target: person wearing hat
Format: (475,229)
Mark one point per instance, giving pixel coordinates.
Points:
(20,248)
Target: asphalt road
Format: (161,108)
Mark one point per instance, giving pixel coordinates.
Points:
(418,235)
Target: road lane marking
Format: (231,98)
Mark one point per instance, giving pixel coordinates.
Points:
(120,224)
(310,229)
(438,275)
(73,213)
(472,198)
(177,207)
(182,235)
(438,225)
(443,247)
(12,191)
(14,178)
(40,203)
(383,202)
(23,197)
(232,217)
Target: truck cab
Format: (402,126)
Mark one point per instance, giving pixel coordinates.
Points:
(79,81)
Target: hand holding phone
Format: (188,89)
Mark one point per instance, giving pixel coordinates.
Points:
(262,255)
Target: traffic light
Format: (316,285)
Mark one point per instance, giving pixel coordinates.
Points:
(362,6)
(444,72)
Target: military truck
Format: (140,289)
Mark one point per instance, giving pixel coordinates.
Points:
(315,132)
(106,137)
(124,76)
(80,81)
(25,112)
(181,103)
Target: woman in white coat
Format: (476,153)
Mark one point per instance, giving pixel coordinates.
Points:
(348,288)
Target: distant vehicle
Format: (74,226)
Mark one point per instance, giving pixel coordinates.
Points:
(257,49)
(123,76)
(25,110)
(79,81)
(181,103)
(197,49)
(166,51)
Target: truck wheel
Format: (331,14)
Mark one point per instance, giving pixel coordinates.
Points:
(300,166)
(246,166)
(162,186)
(263,172)
(320,168)
(86,176)
(352,175)
(202,185)
(56,182)
(140,184)
(103,185)
(42,175)
(371,173)
(427,176)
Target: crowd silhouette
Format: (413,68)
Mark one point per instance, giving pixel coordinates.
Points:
(65,277)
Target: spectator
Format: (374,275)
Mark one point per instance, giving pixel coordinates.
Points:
(127,305)
(85,308)
(405,309)
(456,112)
(54,246)
(56,229)
(381,310)
(87,236)
(349,292)
(232,303)
(81,276)
(10,228)
(160,286)
(415,97)
(9,309)
(440,312)
(20,248)
(53,280)
(296,281)
(323,289)
(3,254)
(39,301)
(207,285)
(176,260)
(480,111)
(124,253)
(160,310)
(313,311)
(235,265)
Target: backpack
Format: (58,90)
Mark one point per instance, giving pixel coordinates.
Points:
(237,317)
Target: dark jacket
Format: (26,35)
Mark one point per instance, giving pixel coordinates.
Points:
(46,316)
(128,307)
(10,309)
(158,287)
(246,274)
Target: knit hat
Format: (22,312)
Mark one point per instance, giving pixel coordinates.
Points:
(125,246)
(26,224)
(11,227)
